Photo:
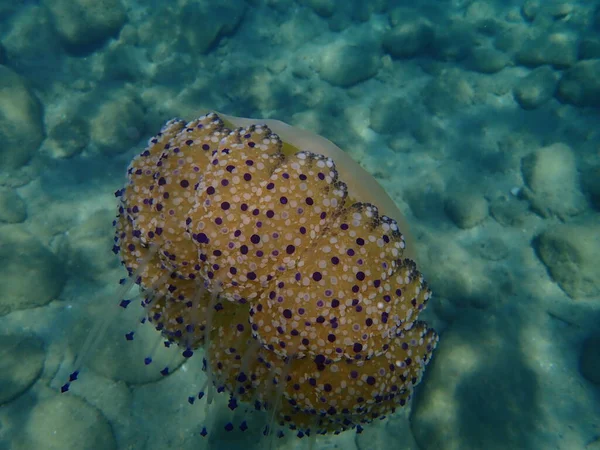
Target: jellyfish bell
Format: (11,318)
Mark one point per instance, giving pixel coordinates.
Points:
(268,248)
(362,186)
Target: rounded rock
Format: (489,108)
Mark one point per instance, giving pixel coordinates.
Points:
(553,186)
(346,65)
(225,18)
(536,88)
(31,275)
(84,25)
(21,124)
(84,250)
(466,210)
(571,253)
(580,85)
(118,123)
(68,137)
(556,49)
(65,421)
(12,207)
(323,8)
(410,36)
(487,60)
(21,363)
(391,115)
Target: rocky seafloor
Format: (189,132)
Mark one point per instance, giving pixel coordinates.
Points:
(480,119)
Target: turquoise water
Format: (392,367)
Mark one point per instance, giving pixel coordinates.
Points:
(479,119)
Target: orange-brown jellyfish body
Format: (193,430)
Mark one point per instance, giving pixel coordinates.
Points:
(275,252)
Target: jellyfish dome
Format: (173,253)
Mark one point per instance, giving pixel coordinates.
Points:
(272,251)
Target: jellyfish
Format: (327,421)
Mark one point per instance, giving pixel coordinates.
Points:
(268,252)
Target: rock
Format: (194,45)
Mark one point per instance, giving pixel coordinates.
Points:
(347,64)
(480,392)
(363,11)
(487,60)
(224,17)
(510,211)
(530,9)
(553,182)
(571,254)
(510,39)
(31,42)
(31,275)
(68,137)
(466,209)
(536,88)
(21,125)
(447,93)
(556,49)
(21,363)
(453,43)
(391,115)
(12,207)
(411,35)
(589,48)
(323,8)
(64,422)
(589,360)
(123,360)
(558,10)
(118,123)
(580,85)
(85,25)
(480,10)
(85,250)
